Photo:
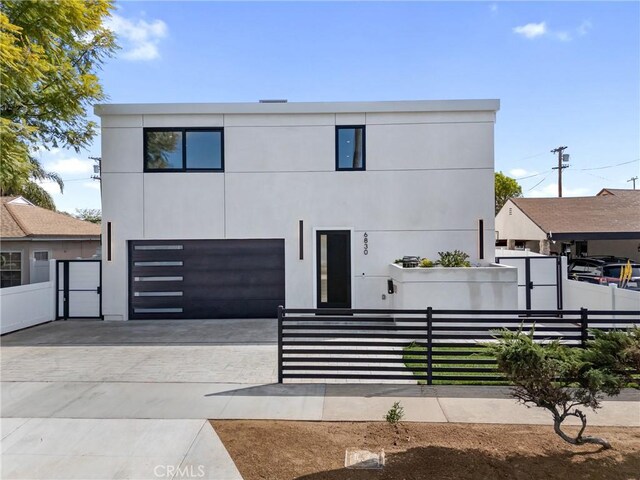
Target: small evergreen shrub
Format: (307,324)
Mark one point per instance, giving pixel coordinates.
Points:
(395,414)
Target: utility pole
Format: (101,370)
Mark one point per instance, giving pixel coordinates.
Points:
(633,179)
(96,167)
(560,167)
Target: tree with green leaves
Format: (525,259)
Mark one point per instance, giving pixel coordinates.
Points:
(92,215)
(49,55)
(505,188)
(560,378)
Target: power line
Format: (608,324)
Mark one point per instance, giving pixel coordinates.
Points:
(599,176)
(66,180)
(611,166)
(532,176)
(533,156)
(539,182)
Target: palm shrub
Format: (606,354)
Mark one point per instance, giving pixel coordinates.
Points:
(561,379)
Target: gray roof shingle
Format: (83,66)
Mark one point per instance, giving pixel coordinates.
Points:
(617,211)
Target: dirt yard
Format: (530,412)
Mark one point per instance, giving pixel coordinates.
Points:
(278,450)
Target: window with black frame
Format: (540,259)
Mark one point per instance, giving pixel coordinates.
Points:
(183,149)
(350,148)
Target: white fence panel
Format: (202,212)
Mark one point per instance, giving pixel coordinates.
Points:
(28,305)
(598,297)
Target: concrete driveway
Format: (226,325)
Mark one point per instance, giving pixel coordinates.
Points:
(90,399)
(216,351)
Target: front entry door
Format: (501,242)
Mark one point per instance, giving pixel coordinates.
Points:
(333,268)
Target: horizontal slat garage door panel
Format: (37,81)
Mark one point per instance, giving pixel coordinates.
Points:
(206,278)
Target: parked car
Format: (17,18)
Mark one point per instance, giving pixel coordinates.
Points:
(602,271)
(611,258)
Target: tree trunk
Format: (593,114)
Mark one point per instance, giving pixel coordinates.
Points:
(579,439)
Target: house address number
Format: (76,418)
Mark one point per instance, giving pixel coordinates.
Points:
(365,239)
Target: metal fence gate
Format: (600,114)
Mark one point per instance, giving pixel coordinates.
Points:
(78,289)
(539,281)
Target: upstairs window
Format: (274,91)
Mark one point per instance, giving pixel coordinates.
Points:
(183,149)
(350,148)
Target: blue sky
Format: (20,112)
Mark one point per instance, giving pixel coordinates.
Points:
(567,73)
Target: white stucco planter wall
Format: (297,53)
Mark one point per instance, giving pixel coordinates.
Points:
(493,287)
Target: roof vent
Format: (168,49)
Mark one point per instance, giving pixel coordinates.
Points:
(282,100)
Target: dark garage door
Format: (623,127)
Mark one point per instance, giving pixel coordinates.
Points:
(205,278)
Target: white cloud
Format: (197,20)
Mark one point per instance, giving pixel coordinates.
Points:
(49,186)
(584,28)
(70,166)
(531,30)
(534,30)
(493,7)
(140,38)
(521,172)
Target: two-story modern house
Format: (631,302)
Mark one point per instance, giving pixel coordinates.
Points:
(229,210)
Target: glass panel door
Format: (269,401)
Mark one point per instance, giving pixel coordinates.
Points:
(333,268)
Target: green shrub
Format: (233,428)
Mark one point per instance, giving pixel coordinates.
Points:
(426,263)
(560,378)
(395,414)
(456,258)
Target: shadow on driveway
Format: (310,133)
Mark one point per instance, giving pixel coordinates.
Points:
(146,332)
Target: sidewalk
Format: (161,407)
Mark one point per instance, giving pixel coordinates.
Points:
(120,430)
(332,402)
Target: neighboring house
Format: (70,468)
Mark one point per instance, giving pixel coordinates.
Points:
(605,224)
(30,236)
(229,210)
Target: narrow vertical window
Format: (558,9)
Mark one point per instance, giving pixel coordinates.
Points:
(481,239)
(350,148)
(108,241)
(301,239)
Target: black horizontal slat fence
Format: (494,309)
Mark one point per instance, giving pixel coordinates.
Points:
(425,346)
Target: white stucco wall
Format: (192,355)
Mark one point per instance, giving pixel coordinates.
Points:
(504,252)
(476,288)
(428,180)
